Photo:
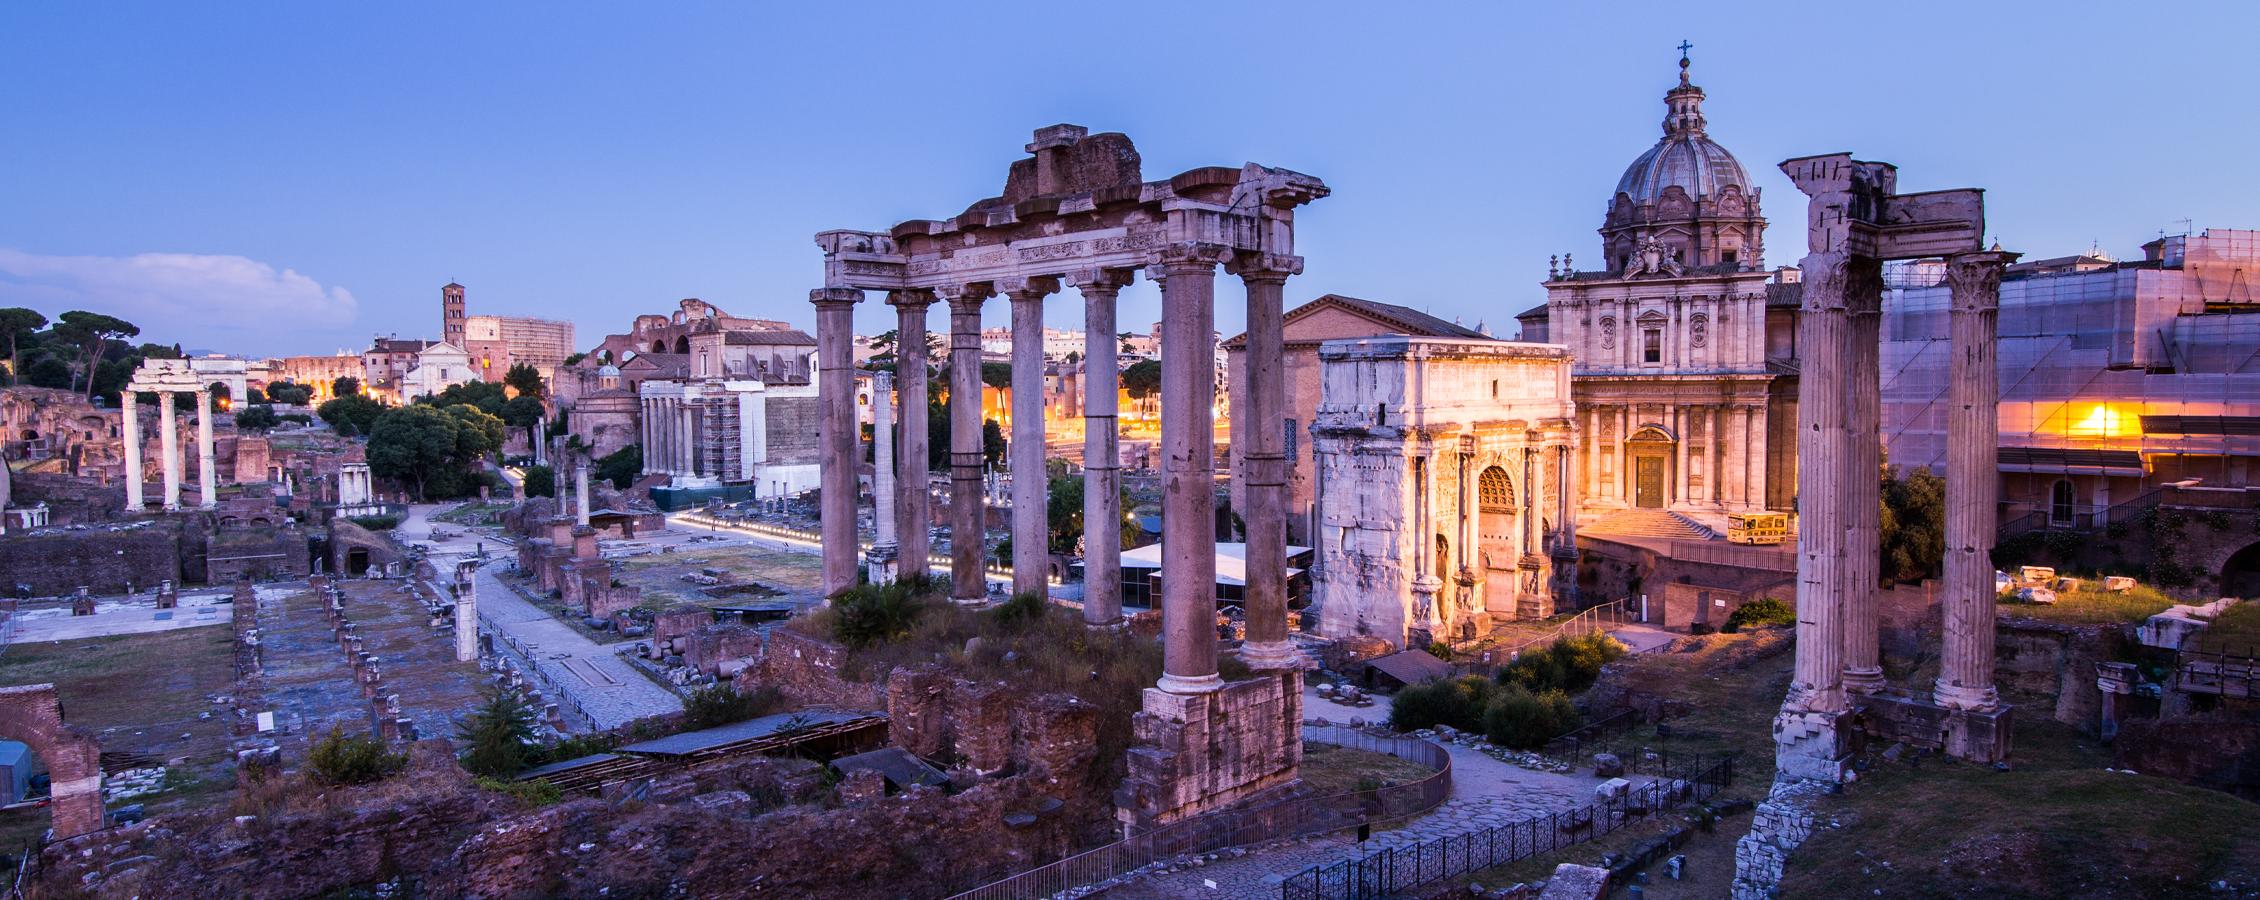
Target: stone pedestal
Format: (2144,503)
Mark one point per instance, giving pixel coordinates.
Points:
(1980,736)
(1204,751)
(1813,744)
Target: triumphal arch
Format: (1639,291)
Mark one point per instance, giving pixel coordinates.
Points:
(1077,211)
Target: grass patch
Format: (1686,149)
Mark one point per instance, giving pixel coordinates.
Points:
(2236,630)
(474,513)
(1328,770)
(2091,605)
(2054,825)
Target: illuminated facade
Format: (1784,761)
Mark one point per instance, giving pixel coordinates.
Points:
(2116,377)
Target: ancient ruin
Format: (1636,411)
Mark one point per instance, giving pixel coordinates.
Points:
(1077,211)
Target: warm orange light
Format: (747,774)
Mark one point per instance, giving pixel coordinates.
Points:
(2105,421)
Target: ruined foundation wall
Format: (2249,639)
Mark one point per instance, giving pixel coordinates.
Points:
(808,671)
(53,563)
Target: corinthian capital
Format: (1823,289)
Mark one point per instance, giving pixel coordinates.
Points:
(1191,256)
(1264,266)
(1101,280)
(1028,287)
(1974,279)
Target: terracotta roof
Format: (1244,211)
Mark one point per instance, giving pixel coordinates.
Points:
(793,337)
(1401,319)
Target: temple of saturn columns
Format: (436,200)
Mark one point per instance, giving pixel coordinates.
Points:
(166,377)
(1078,212)
(1857,221)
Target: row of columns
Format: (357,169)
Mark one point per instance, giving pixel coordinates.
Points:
(667,443)
(1839,483)
(1731,446)
(207,475)
(1187,272)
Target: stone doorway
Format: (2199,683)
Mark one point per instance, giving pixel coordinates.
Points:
(357,562)
(1648,482)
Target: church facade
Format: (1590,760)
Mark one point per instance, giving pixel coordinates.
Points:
(1685,374)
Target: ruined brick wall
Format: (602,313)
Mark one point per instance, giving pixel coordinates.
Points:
(2054,665)
(52,562)
(33,714)
(722,650)
(345,537)
(2217,752)
(808,670)
(257,553)
(791,441)
(70,501)
(1198,752)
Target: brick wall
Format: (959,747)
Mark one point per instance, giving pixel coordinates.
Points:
(104,561)
(792,430)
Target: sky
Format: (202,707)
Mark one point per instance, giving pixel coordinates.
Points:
(286,178)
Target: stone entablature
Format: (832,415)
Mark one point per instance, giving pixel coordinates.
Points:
(1443,468)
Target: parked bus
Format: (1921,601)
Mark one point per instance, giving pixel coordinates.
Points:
(1757,528)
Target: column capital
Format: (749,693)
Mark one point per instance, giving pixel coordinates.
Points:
(1191,257)
(1032,287)
(966,297)
(1974,279)
(1106,281)
(909,298)
(1264,266)
(845,296)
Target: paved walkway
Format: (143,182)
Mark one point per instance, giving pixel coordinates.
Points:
(1486,793)
(139,615)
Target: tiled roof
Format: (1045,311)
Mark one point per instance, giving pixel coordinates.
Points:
(1403,319)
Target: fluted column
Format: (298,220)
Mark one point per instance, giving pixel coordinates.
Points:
(168,440)
(1261,432)
(1818,682)
(1031,485)
(1973,481)
(836,430)
(686,440)
(1188,441)
(207,474)
(131,423)
(883,546)
(1102,470)
(968,537)
(1863,499)
(913,511)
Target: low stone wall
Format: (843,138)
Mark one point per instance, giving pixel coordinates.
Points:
(989,727)
(53,562)
(1198,752)
(2055,662)
(807,670)
(1777,828)
(2215,752)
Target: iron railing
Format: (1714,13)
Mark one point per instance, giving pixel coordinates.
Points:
(1600,619)
(1718,553)
(1571,748)
(1393,870)
(1230,828)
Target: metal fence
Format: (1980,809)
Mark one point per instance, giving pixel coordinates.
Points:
(1599,619)
(1393,870)
(1571,748)
(1230,828)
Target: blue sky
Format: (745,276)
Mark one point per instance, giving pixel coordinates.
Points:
(272,178)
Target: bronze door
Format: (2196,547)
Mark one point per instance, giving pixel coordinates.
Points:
(1648,485)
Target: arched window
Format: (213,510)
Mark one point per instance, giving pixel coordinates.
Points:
(2060,503)
(658,346)
(1493,492)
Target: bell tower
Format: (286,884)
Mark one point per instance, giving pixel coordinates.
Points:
(451,314)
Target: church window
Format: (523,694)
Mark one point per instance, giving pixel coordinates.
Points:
(1652,345)
(1729,255)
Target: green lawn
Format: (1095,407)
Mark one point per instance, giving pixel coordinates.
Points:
(2091,605)
(2236,630)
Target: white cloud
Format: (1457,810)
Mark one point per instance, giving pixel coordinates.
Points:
(194,299)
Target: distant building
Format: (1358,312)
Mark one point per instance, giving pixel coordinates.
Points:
(1304,329)
(2116,377)
(317,372)
(385,365)
(497,343)
(439,366)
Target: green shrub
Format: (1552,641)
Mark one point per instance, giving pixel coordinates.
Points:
(1458,702)
(498,737)
(1761,612)
(352,759)
(541,481)
(376,523)
(1023,609)
(1568,664)
(1440,650)
(1518,718)
(534,793)
(722,704)
(871,614)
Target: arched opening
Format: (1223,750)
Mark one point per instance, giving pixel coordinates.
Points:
(1495,535)
(357,561)
(70,755)
(683,344)
(2240,577)
(658,346)
(1443,556)
(2060,502)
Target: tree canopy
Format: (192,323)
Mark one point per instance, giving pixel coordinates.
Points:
(996,374)
(431,447)
(621,466)
(260,417)
(351,414)
(526,380)
(1912,525)
(290,394)
(93,331)
(345,386)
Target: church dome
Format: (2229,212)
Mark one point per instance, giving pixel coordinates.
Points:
(1685,158)
(608,370)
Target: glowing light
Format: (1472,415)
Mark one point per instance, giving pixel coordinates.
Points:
(2104,421)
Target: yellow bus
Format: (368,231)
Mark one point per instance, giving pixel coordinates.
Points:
(1757,528)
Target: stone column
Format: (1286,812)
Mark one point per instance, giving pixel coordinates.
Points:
(1031,485)
(1188,446)
(1973,481)
(581,492)
(1818,683)
(883,563)
(207,474)
(836,430)
(168,440)
(913,512)
(968,536)
(1102,457)
(466,616)
(686,434)
(131,423)
(1261,432)
(1863,490)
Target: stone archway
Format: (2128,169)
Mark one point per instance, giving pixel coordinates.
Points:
(2240,575)
(32,713)
(1496,544)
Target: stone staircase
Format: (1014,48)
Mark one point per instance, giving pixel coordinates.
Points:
(1653,524)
